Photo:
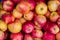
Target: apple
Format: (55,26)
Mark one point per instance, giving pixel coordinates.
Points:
(29,16)
(28,27)
(16,36)
(1,6)
(54,29)
(8,5)
(54,16)
(3,26)
(58,22)
(37,34)
(40,20)
(53,5)
(23,7)
(40,0)
(48,36)
(37,39)
(22,20)
(16,1)
(28,37)
(16,14)
(58,36)
(8,18)
(2,35)
(58,10)
(41,8)
(15,27)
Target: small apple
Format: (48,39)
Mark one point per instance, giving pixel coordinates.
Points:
(53,5)
(8,5)
(54,29)
(58,10)
(41,8)
(40,0)
(16,36)
(16,14)
(54,16)
(23,7)
(2,35)
(40,20)
(3,26)
(58,22)
(8,18)
(15,27)
(1,6)
(37,34)
(28,27)
(28,37)
(29,16)
(16,1)
(48,36)
(58,36)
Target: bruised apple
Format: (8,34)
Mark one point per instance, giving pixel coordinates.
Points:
(15,27)
(3,26)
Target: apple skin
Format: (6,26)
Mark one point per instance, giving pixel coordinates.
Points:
(58,10)
(54,16)
(48,36)
(40,20)
(37,34)
(37,39)
(28,37)
(2,35)
(3,26)
(15,27)
(58,36)
(41,8)
(53,5)
(17,14)
(8,18)
(29,16)
(16,36)
(28,27)
(23,7)
(58,22)
(8,5)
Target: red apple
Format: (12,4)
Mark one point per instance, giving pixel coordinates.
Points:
(8,5)
(29,16)
(3,26)
(48,36)
(37,34)
(16,14)
(40,0)
(8,18)
(58,36)
(16,36)
(28,37)
(23,7)
(41,8)
(58,9)
(15,27)
(40,20)
(28,27)
(54,16)
(16,1)
(58,22)
(2,35)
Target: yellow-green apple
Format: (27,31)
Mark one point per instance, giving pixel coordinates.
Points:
(41,8)
(37,39)
(3,26)
(8,5)
(28,37)
(53,5)
(58,36)
(16,36)
(37,34)
(29,16)
(2,35)
(1,6)
(22,20)
(40,21)
(15,27)
(8,18)
(28,27)
(23,7)
(16,14)
(54,16)
(48,36)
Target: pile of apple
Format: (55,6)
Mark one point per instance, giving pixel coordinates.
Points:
(30,20)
